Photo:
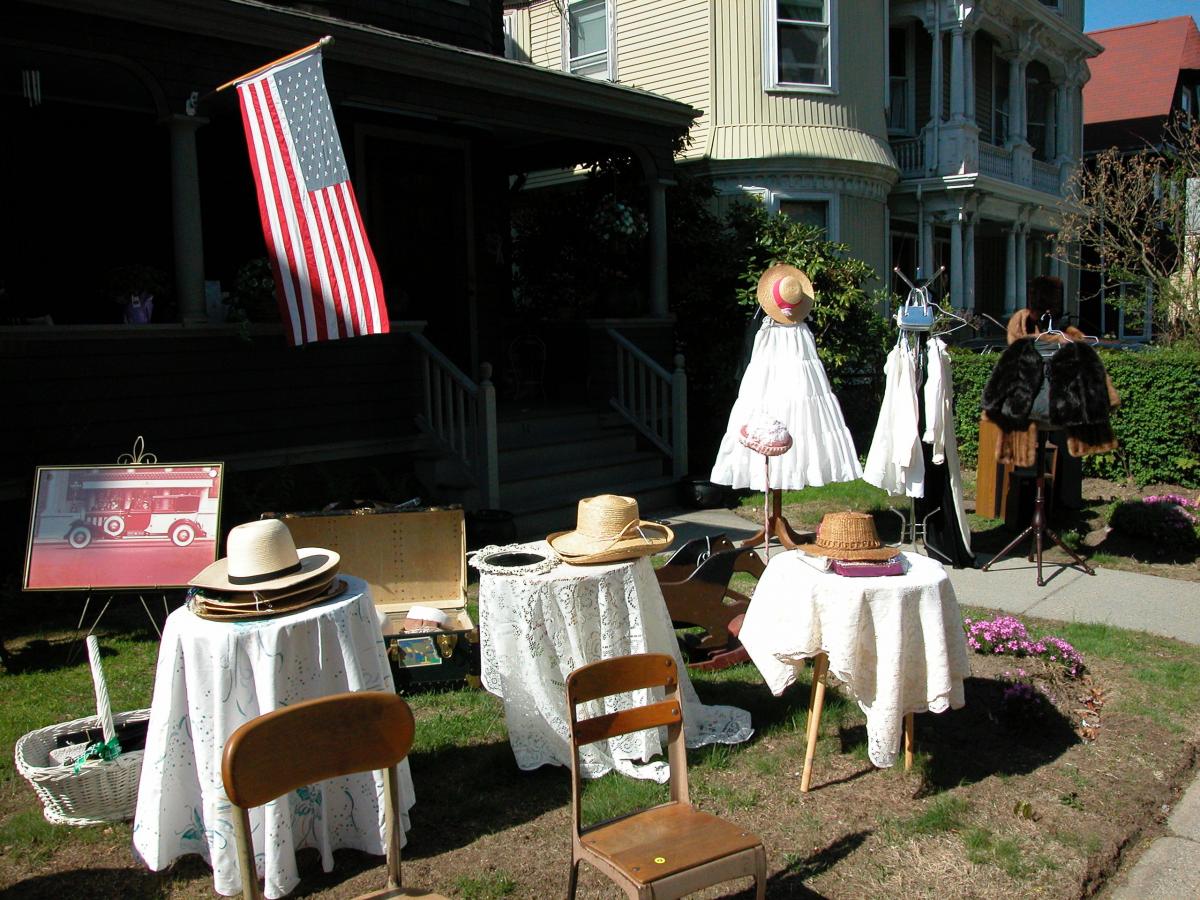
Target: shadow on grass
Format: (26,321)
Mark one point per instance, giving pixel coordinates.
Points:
(105,883)
(790,882)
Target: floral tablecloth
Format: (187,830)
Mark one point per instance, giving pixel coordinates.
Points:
(214,676)
(896,641)
(536,629)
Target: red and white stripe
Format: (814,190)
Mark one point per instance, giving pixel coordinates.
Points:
(325,273)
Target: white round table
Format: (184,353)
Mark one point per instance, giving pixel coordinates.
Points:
(214,676)
(895,641)
(536,629)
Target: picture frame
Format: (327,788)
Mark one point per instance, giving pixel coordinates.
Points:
(122,527)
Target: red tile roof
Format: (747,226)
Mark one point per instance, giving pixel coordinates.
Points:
(1136,75)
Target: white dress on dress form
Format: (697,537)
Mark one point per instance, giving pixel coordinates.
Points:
(786,381)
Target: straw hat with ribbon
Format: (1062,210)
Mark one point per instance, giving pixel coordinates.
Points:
(785,294)
(261,556)
(849,536)
(608,529)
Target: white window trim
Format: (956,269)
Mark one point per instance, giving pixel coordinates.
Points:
(610,31)
(771,82)
(832,201)
(996,60)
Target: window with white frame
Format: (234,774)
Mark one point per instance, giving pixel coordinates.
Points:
(1000,103)
(814,211)
(801,37)
(586,38)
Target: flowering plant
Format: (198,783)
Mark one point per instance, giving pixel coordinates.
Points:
(1168,520)
(1007,635)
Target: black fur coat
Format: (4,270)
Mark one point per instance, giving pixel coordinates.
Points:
(1079,396)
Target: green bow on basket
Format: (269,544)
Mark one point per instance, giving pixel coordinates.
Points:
(105,750)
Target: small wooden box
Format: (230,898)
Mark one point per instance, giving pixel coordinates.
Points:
(409,558)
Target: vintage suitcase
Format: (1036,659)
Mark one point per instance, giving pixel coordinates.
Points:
(411,557)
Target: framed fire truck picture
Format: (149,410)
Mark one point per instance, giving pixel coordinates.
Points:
(123,526)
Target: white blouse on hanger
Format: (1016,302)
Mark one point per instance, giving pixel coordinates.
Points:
(895,462)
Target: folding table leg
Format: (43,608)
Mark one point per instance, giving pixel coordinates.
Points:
(816,702)
(909,741)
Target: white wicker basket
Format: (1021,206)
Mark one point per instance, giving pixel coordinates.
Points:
(101,791)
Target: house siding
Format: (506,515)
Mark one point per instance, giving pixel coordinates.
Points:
(665,46)
(862,226)
(544,35)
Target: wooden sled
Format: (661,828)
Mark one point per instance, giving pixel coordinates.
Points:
(695,584)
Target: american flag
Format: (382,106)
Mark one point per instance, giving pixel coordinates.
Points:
(325,273)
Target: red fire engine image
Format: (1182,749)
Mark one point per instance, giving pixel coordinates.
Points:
(157,511)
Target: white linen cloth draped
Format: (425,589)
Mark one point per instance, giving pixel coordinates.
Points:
(895,641)
(536,629)
(214,676)
(786,381)
(895,462)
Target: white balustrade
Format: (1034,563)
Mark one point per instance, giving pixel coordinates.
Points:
(652,400)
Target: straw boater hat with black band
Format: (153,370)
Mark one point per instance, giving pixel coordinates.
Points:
(261,556)
(785,294)
(608,529)
(849,536)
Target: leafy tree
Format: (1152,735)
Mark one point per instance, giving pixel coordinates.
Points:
(1136,219)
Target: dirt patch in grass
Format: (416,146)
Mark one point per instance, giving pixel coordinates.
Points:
(1038,796)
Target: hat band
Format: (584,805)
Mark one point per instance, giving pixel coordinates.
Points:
(266,576)
(778,295)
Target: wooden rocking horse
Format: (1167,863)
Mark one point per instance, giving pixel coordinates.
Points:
(695,584)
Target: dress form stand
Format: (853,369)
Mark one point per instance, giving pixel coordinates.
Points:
(1038,527)
(776,525)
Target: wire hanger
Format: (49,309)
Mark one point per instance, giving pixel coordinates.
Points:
(916,313)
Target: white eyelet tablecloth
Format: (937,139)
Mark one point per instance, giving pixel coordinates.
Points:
(214,676)
(536,629)
(896,642)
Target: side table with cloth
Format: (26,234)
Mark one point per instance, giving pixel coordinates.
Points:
(535,629)
(214,676)
(895,641)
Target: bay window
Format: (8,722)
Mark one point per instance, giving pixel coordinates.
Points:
(800,43)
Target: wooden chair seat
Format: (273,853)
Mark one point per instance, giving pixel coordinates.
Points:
(668,850)
(666,840)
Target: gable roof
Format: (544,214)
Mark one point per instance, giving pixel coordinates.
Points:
(1136,75)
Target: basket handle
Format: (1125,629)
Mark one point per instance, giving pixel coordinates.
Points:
(103,706)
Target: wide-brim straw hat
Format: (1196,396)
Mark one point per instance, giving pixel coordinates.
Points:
(261,556)
(205,608)
(849,536)
(257,598)
(782,289)
(609,529)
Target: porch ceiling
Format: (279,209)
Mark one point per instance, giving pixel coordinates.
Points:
(538,117)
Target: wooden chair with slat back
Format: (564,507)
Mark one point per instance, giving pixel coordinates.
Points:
(335,736)
(667,850)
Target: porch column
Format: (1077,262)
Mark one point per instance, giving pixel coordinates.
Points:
(926,246)
(969,74)
(956,261)
(185,219)
(1022,269)
(1016,91)
(935,78)
(1062,120)
(969,264)
(658,248)
(958,103)
(1010,269)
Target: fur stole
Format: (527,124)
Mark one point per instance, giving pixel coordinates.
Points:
(1080,394)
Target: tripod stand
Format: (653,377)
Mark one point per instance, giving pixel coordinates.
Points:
(1037,527)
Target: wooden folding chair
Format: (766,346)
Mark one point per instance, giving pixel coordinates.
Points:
(311,741)
(667,850)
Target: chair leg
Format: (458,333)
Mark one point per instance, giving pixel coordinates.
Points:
(816,704)
(909,741)
(573,881)
(760,872)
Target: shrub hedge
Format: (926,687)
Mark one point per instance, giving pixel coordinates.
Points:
(1156,423)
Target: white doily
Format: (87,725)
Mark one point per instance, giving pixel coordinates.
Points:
(549,559)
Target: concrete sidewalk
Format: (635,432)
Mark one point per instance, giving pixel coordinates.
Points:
(1170,866)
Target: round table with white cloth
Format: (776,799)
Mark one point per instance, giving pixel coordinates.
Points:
(214,676)
(786,380)
(536,629)
(895,641)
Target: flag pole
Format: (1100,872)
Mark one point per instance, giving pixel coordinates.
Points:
(323,42)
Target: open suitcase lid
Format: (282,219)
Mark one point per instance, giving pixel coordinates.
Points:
(407,557)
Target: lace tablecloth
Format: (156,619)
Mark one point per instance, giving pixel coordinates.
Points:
(214,676)
(896,642)
(536,629)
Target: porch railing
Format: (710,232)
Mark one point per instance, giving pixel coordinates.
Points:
(462,416)
(910,155)
(652,400)
(995,161)
(1045,177)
